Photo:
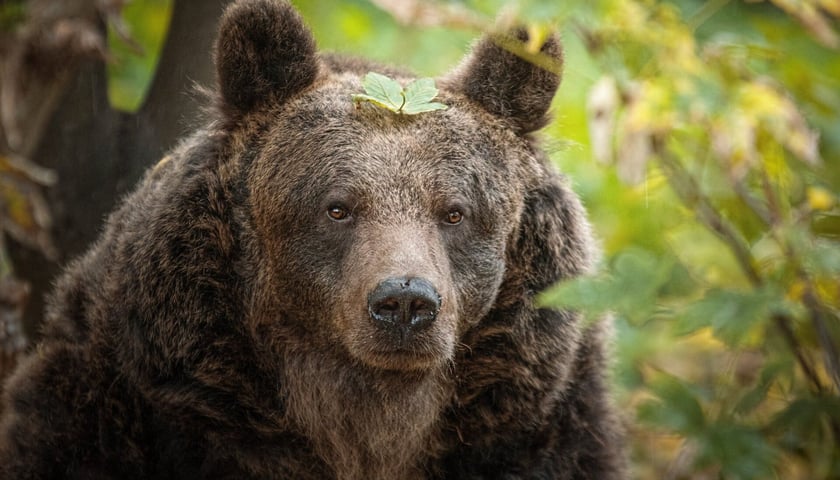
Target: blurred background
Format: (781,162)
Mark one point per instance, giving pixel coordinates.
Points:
(703,137)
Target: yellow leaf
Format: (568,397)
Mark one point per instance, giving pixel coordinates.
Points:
(537,35)
(796,290)
(828,290)
(831,6)
(761,100)
(819,198)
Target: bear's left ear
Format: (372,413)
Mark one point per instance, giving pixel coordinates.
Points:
(554,242)
(507,85)
(264,51)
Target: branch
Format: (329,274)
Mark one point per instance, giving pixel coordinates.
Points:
(831,358)
(690,194)
(772,217)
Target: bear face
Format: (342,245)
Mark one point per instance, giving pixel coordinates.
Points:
(380,199)
(397,240)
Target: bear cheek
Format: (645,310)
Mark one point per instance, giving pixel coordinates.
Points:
(479,288)
(478,269)
(299,271)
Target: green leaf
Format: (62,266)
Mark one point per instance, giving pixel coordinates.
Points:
(677,408)
(635,280)
(822,256)
(804,416)
(383,91)
(361,97)
(387,93)
(754,397)
(419,95)
(591,294)
(741,451)
(731,314)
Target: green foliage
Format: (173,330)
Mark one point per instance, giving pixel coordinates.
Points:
(387,93)
(705,141)
(135,47)
(724,122)
(732,315)
(676,407)
(12,13)
(633,283)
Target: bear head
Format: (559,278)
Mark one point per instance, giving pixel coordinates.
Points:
(377,235)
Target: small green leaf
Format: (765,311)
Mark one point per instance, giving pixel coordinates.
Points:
(754,397)
(425,107)
(741,451)
(632,288)
(731,314)
(676,407)
(802,414)
(419,95)
(387,93)
(382,91)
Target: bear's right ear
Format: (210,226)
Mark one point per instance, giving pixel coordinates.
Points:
(264,51)
(507,85)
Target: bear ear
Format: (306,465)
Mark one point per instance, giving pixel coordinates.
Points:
(554,242)
(264,51)
(507,85)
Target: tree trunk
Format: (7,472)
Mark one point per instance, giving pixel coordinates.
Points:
(97,153)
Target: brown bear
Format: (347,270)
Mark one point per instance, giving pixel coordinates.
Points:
(313,288)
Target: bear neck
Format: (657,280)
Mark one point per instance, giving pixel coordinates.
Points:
(365,423)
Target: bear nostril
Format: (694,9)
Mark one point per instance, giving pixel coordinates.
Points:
(422,306)
(389,305)
(409,305)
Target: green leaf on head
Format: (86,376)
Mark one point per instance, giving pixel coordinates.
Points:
(387,93)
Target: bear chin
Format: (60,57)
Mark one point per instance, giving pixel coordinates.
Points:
(418,354)
(403,361)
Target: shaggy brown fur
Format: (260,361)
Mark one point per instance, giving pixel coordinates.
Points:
(225,324)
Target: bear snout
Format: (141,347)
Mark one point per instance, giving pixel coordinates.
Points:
(404,306)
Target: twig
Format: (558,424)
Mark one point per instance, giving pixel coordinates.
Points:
(753,203)
(830,354)
(783,324)
(773,219)
(690,194)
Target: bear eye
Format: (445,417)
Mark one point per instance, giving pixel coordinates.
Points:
(338,213)
(454,217)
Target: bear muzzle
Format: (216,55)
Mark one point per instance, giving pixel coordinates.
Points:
(404,307)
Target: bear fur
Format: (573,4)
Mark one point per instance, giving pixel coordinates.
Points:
(224,325)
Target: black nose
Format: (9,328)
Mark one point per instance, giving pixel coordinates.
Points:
(407,304)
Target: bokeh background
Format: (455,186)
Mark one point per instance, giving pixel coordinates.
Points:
(703,137)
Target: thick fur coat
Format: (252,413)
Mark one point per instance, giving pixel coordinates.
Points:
(309,288)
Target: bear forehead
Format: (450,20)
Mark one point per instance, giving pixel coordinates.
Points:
(324,125)
(327,109)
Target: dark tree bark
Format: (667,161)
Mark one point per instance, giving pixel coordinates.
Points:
(98,153)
